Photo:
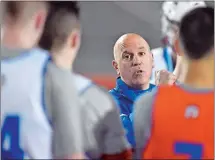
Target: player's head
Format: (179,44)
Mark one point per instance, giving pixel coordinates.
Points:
(196,34)
(2,13)
(133,60)
(24,22)
(172,12)
(62,33)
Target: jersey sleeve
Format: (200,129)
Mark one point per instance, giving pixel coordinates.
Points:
(64,112)
(142,122)
(115,141)
(104,129)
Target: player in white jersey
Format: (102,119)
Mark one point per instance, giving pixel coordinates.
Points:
(172,14)
(103,132)
(31,128)
(164,57)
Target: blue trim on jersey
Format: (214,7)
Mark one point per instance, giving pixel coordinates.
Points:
(168,59)
(83,90)
(43,103)
(19,57)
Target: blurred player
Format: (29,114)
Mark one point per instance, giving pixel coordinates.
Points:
(2,12)
(103,134)
(34,121)
(171,17)
(177,121)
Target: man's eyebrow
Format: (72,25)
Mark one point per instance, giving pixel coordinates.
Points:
(142,47)
(126,52)
(145,48)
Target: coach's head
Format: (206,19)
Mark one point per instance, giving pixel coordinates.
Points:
(133,61)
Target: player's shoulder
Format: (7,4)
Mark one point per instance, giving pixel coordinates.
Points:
(157,51)
(94,94)
(144,103)
(60,80)
(82,83)
(17,55)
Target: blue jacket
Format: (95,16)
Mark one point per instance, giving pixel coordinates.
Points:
(125,97)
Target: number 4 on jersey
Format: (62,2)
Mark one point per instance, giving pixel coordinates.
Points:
(10,139)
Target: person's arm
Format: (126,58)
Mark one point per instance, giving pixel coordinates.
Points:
(115,144)
(64,112)
(163,77)
(143,123)
(104,128)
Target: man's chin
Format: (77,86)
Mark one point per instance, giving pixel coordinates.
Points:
(141,80)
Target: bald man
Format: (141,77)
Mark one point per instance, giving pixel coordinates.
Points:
(133,63)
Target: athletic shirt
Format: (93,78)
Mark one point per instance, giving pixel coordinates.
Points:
(37,122)
(175,122)
(162,60)
(24,122)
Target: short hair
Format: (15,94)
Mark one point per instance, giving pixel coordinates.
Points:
(196,32)
(2,11)
(62,19)
(24,9)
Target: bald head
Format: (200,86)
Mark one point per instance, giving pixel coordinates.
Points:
(130,40)
(133,60)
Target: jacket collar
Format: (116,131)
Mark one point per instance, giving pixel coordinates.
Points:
(128,92)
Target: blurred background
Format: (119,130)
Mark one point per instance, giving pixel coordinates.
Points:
(103,23)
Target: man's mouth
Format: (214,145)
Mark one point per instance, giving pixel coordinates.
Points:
(139,72)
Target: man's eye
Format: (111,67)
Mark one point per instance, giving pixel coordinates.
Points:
(127,57)
(142,53)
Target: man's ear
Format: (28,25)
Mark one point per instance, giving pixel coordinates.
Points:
(177,47)
(40,19)
(75,39)
(115,66)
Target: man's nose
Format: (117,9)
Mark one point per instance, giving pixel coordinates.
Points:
(137,61)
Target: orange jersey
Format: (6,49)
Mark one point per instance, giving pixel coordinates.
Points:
(182,124)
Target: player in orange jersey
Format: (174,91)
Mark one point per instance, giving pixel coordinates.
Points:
(178,121)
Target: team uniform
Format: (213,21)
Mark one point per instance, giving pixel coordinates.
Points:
(103,131)
(176,127)
(162,60)
(38,101)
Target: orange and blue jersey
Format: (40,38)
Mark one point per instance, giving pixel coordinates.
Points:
(175,122)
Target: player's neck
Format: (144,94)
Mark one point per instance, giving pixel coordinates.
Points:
(183,68)
(14,39)
(60,60)
(200,74)
(178,67)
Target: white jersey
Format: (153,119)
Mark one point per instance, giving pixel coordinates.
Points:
(161,61)
(25,129)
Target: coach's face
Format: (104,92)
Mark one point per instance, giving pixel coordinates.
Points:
(133,60)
